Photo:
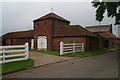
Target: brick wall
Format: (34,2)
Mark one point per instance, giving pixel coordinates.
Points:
(56,41)
(43,28)
(58,24)
(17,41)
(91,43)
(94,43)
(47,28)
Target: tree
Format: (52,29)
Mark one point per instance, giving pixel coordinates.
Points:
(112,9)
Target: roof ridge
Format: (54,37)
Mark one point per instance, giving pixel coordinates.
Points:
(98,25)
(51,15)
(20,34)
(74,31)
(17,32)
(74,25)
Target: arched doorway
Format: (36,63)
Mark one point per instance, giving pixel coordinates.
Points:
(42,43)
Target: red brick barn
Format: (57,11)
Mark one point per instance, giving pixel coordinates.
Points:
(51,29)
(46,27)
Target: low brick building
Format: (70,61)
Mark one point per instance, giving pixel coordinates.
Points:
(75,34)
(105,31)
(18,38)
(110,40)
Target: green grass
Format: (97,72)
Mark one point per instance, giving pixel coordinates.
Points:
(16,48)
(119,48)
(78,54)
(86,54)
(116,47)
(16,66)
(50,52)
(11,57)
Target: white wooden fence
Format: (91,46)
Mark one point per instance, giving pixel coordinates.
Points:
(71,47)
(6,49)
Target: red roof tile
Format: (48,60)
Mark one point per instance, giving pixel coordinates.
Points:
(108,35)
(74,30)
(51,15)
(20,34)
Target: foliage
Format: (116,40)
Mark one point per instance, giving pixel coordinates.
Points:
(112,9)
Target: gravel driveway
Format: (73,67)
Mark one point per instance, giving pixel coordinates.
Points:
(44,58)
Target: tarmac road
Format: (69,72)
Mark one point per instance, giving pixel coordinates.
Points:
(101,66)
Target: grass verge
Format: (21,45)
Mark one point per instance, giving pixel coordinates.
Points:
(87,53)
(16,66)
(78,54)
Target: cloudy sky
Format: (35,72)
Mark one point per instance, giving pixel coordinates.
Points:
(19,16)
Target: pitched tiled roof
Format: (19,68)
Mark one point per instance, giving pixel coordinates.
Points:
(108,35)
(102,28)
(20,34)
(74,30)
(51,15)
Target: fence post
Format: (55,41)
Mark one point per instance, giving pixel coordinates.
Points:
(82,47)
(3,56)
(27,50)
(73,47)
(61,48)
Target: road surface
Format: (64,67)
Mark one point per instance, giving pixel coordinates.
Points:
(101,66)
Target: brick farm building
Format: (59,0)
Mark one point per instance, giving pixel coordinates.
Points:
(51,29)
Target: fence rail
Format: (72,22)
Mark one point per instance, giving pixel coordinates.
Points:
(6,49)
(71,47)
